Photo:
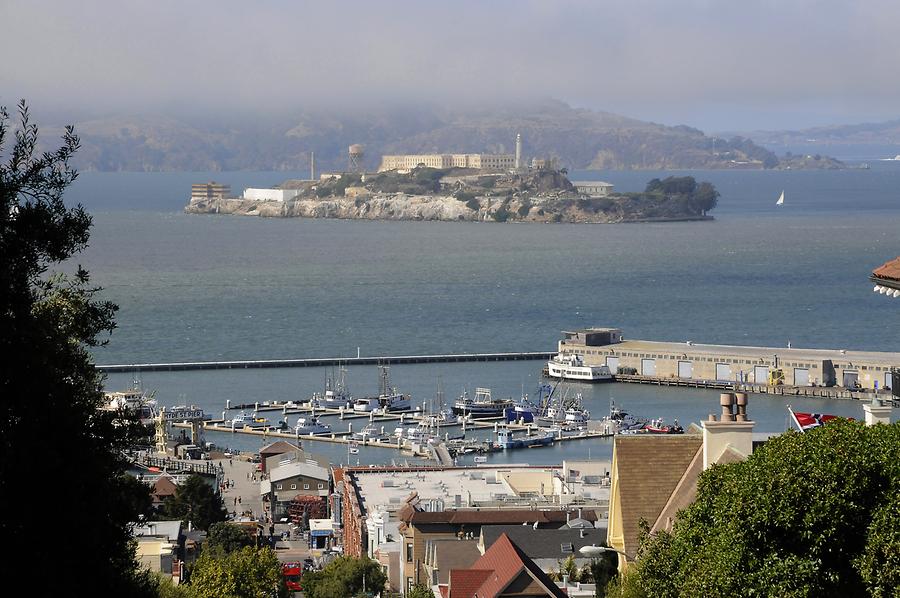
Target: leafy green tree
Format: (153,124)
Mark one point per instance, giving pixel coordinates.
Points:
(48,323)
(344,576)
(227,537)
(807,514)
(705,197)
(195,501)
(420,591)
(245,573)
(139,496)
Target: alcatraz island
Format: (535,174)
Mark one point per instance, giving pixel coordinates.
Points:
(460,187)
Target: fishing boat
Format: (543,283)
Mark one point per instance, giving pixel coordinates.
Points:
(388,398)
(311,425)
(247,420)
(505,440)
(481,406)
(521,411)
(572,367)
(336,394)
(780,201)
(133,401)
(564,412)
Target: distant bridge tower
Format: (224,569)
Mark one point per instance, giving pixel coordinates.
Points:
(355,157)
(518,151)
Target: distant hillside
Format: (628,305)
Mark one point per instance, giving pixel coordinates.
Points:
(868,135)
(579,138)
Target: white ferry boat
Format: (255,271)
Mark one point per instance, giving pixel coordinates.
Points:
(134,400)
(572,367)
(311,425)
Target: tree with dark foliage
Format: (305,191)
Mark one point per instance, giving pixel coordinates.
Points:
(51,430)
(195,501)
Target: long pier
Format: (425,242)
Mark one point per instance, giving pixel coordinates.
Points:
(323,362)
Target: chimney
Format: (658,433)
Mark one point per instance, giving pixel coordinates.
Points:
(878,412)
(733,429)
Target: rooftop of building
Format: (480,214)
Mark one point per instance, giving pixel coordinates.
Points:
(308,468)
(158,529)
(277,447)
(554,518)
(495,486)
(510,571)
(889,270)
(784,353)
(545,543)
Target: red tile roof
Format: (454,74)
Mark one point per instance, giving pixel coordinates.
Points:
(465,582)
(889,270)
(500,565)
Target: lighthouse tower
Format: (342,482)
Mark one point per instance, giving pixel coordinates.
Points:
(518,151)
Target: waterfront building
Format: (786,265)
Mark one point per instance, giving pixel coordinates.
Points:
(281,451)
(269,194)
(286,482)
(479,161)
(887,278)
(728,363)
(210,190)
(593,188)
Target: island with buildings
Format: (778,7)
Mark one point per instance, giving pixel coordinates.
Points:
(460,187)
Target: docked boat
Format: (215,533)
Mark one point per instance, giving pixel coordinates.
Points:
(311,425)
(388,398)
(370,432)
(505,440)
(247,420)
(619,421)
(521,411)
(335,395)
(481,406)
(657,426)
(572,367)
(134,401)
(565,413)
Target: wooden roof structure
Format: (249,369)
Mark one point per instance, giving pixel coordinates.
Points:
(887,278)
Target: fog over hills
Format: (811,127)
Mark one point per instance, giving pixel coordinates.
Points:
(580,138)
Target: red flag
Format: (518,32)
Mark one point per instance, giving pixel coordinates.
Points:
(808,421)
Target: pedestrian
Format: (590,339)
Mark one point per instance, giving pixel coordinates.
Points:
(231,463)
(235,501)
(239,499)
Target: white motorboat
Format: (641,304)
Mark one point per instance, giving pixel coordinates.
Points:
(367,404)
(572,367)
(311,425)
(388,398)
(249,420)
(370,432)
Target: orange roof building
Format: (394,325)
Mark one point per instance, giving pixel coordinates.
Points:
(887,278)
(502,571)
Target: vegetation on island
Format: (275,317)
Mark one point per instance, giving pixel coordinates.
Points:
(78,527)
(807,514)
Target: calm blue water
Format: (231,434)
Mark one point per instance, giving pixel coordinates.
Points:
(227,287)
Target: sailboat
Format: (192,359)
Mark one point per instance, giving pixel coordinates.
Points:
(780,201)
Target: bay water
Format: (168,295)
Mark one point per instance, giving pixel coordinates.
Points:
(207,287)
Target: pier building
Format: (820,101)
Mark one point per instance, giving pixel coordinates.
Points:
(887,278)
(731,363)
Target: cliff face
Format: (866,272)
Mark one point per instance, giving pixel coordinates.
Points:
(446,208)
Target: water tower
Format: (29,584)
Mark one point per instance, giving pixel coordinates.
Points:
(355,157)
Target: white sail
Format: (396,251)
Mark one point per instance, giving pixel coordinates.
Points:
(780,199)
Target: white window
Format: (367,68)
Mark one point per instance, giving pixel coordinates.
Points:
(278,486)
(306,486)
(321,486)
(293,486)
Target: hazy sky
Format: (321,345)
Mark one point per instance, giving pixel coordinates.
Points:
(717,65)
